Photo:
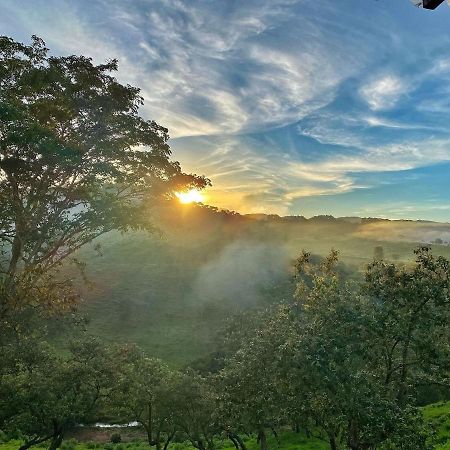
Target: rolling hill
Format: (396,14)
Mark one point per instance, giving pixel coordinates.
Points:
(171,292)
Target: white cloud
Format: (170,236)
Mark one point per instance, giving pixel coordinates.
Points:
(253,179)
(209,69)
(384,92)
(177,50)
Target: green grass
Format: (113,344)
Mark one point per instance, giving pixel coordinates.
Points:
(288,441)
(438,415)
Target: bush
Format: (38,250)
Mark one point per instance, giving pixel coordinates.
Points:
(3,437)
(91,445)
(116,438)
(13,435)
(69,445)
(178,446)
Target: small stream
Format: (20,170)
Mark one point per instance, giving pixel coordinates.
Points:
(110,425)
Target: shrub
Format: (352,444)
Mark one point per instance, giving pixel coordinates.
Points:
(69,445)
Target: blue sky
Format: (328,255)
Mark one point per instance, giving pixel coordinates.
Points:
(289,106)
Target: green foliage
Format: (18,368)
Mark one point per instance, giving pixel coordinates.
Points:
(76,161)
(144,392)
(69,444)
(48,393)
(317,363)
(344,356)
(438,415)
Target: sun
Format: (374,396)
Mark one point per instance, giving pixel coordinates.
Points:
(191,196)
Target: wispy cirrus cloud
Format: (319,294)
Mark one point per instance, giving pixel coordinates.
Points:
(384,92)
(277,101)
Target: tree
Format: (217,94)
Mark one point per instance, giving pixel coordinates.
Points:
(253,388)
(144,392)
(50,394)
(412,311)
(329,354)
(195,406)
(360,350)
(76,161)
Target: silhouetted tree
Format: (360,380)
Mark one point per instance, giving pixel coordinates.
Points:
(76,161)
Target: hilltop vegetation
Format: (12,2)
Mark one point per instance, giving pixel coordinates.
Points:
(170,294)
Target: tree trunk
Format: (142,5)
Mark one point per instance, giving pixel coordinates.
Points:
(402,389)
(236,439)
(168,440)
(210,443)
(149,425)
(17,244)
(262,439)
(332,441)
(200,445)
(16,252)
(235,443)
(157,440)
(57,437)
(353,440)
(240,442)
(56,442)
(275,435)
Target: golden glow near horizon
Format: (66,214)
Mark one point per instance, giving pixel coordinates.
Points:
(191,196)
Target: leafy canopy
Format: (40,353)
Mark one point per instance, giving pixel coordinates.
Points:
(76,159)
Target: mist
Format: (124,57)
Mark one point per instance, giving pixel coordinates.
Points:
(239,274)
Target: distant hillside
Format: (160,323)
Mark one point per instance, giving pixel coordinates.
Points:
(171,293)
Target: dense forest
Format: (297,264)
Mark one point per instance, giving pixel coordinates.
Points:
(201,328)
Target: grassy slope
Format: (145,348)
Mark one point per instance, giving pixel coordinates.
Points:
(438,415)
(143,286)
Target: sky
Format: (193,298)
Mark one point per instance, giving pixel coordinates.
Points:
(299,107)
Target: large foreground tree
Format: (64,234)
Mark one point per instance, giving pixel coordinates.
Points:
(76,161)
